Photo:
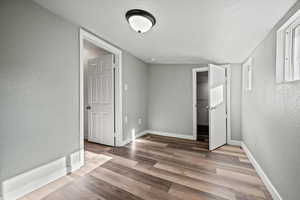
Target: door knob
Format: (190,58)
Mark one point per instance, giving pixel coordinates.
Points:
(88,107)
(212,108)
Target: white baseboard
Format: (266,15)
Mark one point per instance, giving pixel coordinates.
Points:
(136,136)
(27,182)
(176,135)
(235,143)
(275,194)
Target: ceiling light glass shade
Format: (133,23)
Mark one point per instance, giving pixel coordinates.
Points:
(140,21)
(140,24)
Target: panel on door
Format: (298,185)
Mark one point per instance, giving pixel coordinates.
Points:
(217,106)
(100,86)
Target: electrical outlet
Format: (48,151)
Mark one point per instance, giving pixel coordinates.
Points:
(125,119)
(140,121)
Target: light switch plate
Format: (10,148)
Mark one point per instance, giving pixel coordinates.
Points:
(140,121)
(125,119)
(125,86)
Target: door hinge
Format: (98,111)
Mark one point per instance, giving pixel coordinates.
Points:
(114,59)
(226,75)
(114,62)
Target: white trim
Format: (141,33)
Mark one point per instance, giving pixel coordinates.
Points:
(81,95)
(85,35)
(194,106)
(136,136)
(176,135)
(228,101)
(235,142)
(27,182)
(275,194)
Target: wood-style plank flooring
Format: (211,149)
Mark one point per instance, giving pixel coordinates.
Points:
(156,167)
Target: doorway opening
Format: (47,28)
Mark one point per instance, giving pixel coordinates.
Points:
(211,105)
(100,92)
(202,107)
(99,102)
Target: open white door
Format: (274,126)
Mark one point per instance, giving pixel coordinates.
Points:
(100,84)
(217,106)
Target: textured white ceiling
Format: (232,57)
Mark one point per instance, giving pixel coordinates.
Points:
(187,31)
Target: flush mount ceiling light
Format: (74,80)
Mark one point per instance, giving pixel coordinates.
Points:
(140,20)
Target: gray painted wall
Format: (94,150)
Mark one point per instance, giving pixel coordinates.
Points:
(170,99)
(135,99)
(271,119)
(236,82)
(39,70)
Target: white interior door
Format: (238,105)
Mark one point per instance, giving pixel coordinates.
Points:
(101,100)
(217,106)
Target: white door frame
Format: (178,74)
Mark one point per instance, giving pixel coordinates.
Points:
(85,35)
(228,73)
